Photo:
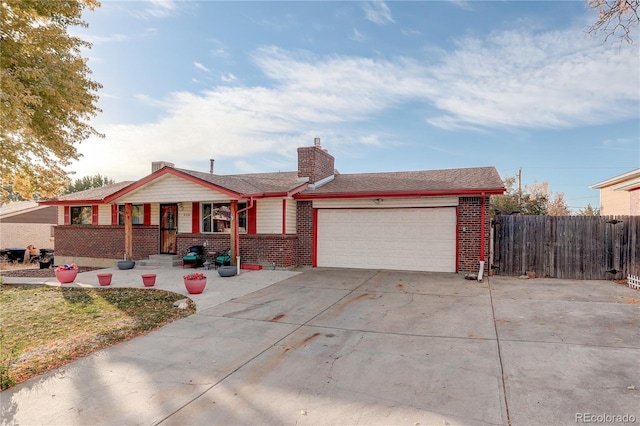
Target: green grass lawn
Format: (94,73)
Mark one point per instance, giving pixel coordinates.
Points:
(44,327)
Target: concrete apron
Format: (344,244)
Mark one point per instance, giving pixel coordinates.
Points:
(332,346)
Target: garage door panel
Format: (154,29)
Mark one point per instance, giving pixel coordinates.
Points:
(419,239)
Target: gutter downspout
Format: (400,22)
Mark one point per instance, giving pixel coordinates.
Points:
(481,271)
(237,232)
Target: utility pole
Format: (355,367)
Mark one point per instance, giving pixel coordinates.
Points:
(519,187)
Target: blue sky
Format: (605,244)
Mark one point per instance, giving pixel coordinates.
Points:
(387,86)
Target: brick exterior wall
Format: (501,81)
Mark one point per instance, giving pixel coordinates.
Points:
(262,249)
(215,242)
(314,163)
(469,214)
(304,229)
(105,242)
(278,249)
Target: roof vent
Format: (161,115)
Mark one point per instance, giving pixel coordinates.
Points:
(316,142)
(211,160)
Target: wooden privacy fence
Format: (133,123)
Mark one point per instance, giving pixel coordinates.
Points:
(572,247)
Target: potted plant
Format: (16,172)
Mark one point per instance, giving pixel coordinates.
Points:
(104,279)
(66,273)
(195,282)
(227,271)
(148,280)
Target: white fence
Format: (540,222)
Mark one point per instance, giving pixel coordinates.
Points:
(633,281)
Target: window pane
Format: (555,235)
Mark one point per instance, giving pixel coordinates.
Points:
(206,218)
(81,215)
(137,214)
(216,217)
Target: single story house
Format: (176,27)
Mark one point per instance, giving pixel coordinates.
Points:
(24,223)
(432,220)
(620,195)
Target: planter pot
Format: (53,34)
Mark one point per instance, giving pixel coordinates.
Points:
(148,280)
(227,271)
(126,264)
(195,286)
(67,276)
(104,279)
(45,265)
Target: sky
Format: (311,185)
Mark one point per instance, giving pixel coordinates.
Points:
(386,86)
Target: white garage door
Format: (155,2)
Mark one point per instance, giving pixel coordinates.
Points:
(414,239)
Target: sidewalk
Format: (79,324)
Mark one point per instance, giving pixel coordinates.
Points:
(218,289)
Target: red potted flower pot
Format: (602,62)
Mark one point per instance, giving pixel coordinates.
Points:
(66,276)
(195,282)
(148,280)
(195,286)
(104,279)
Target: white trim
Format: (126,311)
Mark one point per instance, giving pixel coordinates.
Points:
(380,203)
(321,182)
(617,179)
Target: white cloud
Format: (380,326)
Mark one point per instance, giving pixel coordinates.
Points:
(161,8)
(95,39)
(201,67)
(522,79)
(516,79)
(357,35)
(228,78)
(377,12)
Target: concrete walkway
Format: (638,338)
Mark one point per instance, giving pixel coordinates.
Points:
(339,346)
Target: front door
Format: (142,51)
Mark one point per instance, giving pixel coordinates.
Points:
(168,228)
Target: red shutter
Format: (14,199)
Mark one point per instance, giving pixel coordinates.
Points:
(251,220)
(67,215)
(195,217)
(94,215)
(114,214)
(146,213)
(284,216)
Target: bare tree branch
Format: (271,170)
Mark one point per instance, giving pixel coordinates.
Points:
(616,18)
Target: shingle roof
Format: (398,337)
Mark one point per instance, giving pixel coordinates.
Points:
(252,183)
(450,180)
(93,194)
(16,207)
(447,180)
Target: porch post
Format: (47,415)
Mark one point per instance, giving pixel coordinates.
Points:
(235,230)
(128,231)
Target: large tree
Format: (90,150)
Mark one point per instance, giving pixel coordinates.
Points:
(616,18)
(534,199)
(88,182)
(46,94)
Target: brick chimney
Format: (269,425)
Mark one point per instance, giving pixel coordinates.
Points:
(315,163)
(157,165)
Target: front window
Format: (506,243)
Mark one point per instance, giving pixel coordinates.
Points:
(216,217)
(137,214)
(81,215)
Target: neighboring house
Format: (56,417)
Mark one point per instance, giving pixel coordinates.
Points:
(620,195)
(434,220)
(24,223)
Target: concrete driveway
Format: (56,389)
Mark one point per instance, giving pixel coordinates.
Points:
(339,346)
